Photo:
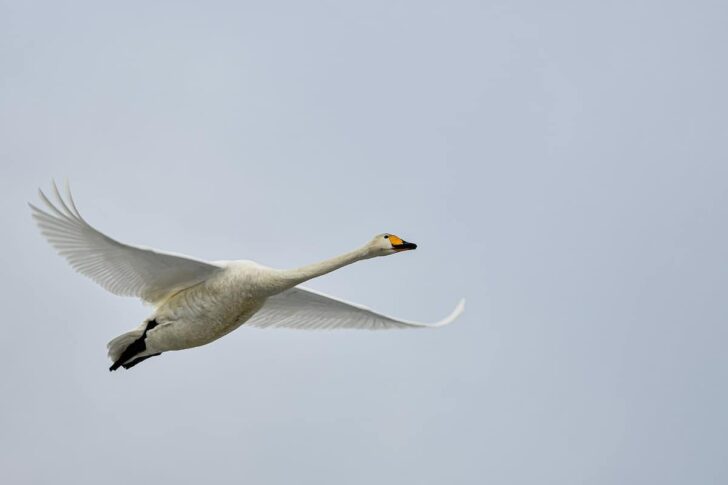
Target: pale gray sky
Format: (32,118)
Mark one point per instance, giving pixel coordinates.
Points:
(563,166)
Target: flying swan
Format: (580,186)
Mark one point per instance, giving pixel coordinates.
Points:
(197,302)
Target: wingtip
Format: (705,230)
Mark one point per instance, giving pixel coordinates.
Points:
(459,309)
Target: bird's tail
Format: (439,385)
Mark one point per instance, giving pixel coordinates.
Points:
(118,345)
(126,349)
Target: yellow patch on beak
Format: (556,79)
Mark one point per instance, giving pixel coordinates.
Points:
(395,240)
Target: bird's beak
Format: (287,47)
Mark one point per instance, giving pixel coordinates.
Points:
(401,245)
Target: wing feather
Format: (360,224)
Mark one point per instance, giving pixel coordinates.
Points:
(120,268)
(306,309)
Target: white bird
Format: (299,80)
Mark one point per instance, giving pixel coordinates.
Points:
(197,302)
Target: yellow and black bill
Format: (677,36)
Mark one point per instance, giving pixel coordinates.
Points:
(400,244)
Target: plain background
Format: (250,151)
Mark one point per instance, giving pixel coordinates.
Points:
(561,164)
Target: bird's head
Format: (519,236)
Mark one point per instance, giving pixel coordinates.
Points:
(385,244)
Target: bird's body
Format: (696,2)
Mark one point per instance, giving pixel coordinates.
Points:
(197,302)
(209,310)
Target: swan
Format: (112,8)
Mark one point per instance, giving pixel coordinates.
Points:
(196,302)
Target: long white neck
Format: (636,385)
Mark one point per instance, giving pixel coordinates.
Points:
(293,277)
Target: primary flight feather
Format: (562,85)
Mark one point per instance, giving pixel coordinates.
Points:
(197,302)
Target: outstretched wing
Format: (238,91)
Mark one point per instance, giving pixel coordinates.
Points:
(305,309)
(120,268)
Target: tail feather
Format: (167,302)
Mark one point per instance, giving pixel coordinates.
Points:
(125,347)
(118,345)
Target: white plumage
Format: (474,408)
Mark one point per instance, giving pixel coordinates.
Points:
(304,308)
(197,302)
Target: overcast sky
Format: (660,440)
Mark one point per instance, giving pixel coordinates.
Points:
(562,165)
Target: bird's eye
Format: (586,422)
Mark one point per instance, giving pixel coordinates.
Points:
(386,236)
